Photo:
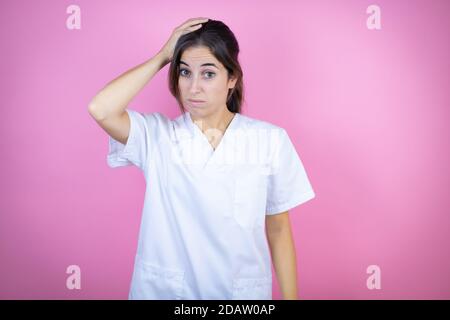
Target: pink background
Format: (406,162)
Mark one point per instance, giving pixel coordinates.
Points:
(367,110)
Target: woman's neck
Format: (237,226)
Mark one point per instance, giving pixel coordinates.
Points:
(219,121)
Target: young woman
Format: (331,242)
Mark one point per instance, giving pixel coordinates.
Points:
(219,184)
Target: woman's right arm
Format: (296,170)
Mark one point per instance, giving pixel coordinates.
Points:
(112,100)
(108,106)
(115,96)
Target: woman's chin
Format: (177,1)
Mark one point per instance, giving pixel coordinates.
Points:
(197,109)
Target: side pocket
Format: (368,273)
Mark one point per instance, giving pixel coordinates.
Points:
(252,288)
(153,282)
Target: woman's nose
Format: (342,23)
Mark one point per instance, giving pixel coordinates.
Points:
(195,85)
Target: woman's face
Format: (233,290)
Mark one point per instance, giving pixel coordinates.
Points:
(203,77)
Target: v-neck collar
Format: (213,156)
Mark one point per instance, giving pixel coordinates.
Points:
(196,132)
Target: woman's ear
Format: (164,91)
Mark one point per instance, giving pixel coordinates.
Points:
(232,82)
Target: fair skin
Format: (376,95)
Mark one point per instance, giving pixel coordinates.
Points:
(281,243)
(208,83)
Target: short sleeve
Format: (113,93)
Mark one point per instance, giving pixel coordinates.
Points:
(288,183)
(136,150)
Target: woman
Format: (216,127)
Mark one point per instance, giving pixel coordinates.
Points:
(219,184)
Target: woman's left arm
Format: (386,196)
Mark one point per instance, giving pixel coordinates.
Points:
(282,249)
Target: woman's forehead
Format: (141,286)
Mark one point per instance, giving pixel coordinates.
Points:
(198,57)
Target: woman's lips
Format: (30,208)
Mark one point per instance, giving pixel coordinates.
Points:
(196,102)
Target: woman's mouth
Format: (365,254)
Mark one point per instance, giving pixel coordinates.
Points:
(196,102)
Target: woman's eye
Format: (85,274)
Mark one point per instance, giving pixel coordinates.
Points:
(184,72)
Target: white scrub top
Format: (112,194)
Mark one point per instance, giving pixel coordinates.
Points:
(202,233)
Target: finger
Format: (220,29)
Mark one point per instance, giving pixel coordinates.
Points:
(195,27)
(190,29)
(200,19)
(192,22)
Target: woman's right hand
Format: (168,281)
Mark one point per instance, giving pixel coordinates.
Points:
(188,26)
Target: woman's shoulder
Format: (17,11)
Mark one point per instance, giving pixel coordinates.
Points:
(154,117)
(155,122)
(254,123)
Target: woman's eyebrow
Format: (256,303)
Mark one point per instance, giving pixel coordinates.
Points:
(205,64)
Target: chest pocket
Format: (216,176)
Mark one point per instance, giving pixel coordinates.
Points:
(249,203)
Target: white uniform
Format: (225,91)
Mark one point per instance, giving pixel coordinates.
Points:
(202,233)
